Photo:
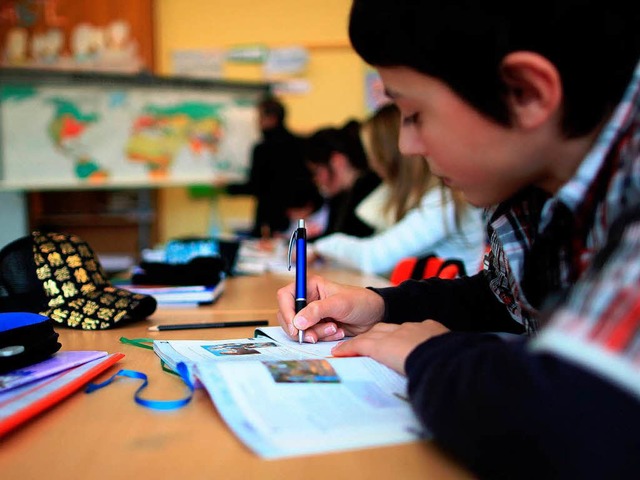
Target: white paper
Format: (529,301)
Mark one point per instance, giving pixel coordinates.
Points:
(285,399)
(365,407)
(275,346)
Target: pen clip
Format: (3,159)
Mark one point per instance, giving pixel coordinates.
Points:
(294,236)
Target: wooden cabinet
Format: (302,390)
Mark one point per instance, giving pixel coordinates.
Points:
(117,224)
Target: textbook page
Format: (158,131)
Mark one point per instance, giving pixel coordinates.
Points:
(270,343)
(321,349)
(282,408)
(255,259)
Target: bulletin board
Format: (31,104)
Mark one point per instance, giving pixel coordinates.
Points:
(113,35)
(63,130)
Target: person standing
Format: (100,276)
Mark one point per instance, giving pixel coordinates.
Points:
(278,172)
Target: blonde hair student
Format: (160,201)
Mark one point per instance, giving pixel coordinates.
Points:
(412,212)
(405,180)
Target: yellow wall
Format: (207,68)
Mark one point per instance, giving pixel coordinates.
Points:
(335,73)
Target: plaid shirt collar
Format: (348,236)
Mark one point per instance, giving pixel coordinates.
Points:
(514,224)
(575,190)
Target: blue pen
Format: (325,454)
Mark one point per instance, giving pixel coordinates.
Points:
(300,236)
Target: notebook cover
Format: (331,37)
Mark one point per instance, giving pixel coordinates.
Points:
(59,362)
(23,403)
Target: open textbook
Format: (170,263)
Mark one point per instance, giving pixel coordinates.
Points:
(284,399)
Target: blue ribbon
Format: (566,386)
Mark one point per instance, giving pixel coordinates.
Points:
(153,404)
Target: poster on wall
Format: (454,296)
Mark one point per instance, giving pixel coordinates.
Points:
(195,63)
(62,135)
(112,36)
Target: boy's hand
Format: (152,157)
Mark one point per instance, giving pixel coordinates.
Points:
(333,310)
(390,344)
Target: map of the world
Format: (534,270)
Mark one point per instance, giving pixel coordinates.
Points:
(60,135)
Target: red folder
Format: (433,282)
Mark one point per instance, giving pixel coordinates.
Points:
(20,404)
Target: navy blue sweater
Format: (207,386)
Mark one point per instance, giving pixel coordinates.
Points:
(506,411)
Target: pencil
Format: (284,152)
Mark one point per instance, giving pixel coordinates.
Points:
(191,326)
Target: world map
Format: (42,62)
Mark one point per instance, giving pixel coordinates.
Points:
(93,135)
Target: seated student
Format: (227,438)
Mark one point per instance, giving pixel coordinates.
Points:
(277,163)
(534,115)
(339,168)
(403,183)
(311,208)
(416,215)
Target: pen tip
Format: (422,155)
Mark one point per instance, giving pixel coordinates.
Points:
(152,329)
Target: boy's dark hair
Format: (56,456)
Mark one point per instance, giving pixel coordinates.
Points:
(272,107)
(594,44)
(346,140)
(319,146)
(305,194)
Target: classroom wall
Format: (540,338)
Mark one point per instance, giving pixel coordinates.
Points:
(335,74)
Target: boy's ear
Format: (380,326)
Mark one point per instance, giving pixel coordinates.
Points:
(534,88)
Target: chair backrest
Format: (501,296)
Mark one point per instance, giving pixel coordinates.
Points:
(414,268)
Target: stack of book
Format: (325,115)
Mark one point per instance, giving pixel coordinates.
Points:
(182,295)
(28,391)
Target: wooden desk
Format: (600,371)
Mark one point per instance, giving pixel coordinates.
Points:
(106,435)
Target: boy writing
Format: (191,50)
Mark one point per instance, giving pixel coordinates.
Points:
(534,114)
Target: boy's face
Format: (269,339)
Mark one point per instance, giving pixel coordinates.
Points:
(487,162)
(266,122)
(324,179)
(330,179)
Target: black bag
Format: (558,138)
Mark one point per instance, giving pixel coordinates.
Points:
(198,271)
(25,338)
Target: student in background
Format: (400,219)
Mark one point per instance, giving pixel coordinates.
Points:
(413,212)
(340,170)
(312,209)
(533,113)
(277,163)
(403,182)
